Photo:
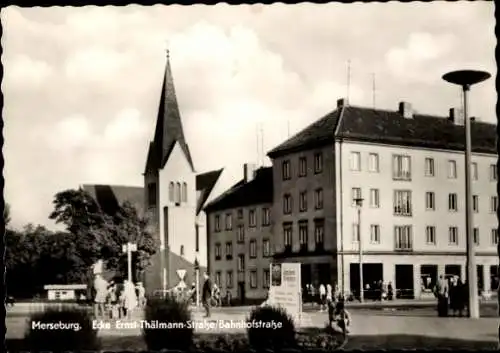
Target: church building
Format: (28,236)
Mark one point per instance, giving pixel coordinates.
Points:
(173,197)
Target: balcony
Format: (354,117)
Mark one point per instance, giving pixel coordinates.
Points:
(403,247)
(401,175)
(229,257)
(403,211)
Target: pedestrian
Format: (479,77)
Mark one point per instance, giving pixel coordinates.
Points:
(390,291)
(322,297)
(101,293)
(130,297)
(207,294)
(442,294)
(141,295)
(454,295)
(338,317)
(329,293)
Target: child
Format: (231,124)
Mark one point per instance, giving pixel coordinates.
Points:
(339,317)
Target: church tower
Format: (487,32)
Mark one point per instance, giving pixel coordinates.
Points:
(170,194)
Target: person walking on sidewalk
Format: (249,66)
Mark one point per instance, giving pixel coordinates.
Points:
(322,297)
(442,293)
(207,294)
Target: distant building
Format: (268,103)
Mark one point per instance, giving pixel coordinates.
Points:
(239,232)
(65,291)
(173,197)
(409,169)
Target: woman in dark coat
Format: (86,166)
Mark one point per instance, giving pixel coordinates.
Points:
(454,295)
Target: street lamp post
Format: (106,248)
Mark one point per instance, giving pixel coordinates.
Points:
(359,205)
(466,78)
(129,248)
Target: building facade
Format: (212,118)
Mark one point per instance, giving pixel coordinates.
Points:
(408,169)
(239,233)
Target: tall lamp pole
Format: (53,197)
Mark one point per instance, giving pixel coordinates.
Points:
(359,205)
(467,78)
(129,248)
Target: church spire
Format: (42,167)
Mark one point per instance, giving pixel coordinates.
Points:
(169,128)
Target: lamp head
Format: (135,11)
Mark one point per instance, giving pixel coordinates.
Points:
(466,77)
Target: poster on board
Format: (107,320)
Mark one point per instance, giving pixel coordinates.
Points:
(285,289)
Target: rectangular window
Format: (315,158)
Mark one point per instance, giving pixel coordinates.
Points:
(452,202)
(303,235)
(453,235)
(476,236)
(286,170)
(287,204)
(229,279)
(493,172)
(493,204)
(152,194)
(218,251)
(266,278)
(318,163)
(287,236)
(229,221)
(319,234)
(217,223)
(355,161)
(240,214)
(229,250)
(266,216)
(474,171)
(356,195)
(373,163)
(375,234)
(241,263)
(218,277)
(402,203)
(401,167)
(374,198)
(266,248)
(403,237)
(302,166)
(355,232)
(494,236)
(253,249)
(252,218)
(303,201)
(475,203)
(240,234)
(452,169)
(430,235)
(430,201)
(253,279)
(318,199)
(429,167)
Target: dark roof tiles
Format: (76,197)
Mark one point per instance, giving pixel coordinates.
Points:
(257,191)
(390,128)
(205,183)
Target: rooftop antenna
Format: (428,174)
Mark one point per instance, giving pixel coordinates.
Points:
(348,79)
(374,91)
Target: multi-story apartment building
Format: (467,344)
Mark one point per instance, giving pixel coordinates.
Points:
(409,170)
(239,231)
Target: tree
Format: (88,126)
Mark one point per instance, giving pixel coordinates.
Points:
(99,235)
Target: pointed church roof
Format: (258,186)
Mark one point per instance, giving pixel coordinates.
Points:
(205,183)
(168,126)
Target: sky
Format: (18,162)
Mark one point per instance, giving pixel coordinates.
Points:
(82,85)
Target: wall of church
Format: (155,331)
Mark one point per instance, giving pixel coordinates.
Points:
(178,193)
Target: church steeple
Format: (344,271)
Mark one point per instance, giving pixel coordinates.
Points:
(169,128)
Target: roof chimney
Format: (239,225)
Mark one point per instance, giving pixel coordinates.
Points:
(405,110)
(249,172)
(342,102)
(456,116)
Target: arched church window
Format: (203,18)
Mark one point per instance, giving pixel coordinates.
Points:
(182,250)
(171,192)
(178,193)
(184,192)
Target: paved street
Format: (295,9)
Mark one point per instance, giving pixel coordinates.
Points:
(370,328)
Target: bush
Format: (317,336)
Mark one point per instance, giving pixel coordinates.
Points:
(260,338)
(61,330)
(168,311)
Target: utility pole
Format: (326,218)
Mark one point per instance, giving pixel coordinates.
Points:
(128,249)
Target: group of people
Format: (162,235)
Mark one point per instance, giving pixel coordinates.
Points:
(451,294)
(117,299)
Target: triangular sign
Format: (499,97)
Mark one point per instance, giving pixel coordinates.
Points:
(181,274)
